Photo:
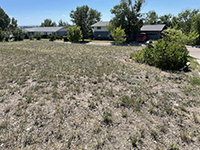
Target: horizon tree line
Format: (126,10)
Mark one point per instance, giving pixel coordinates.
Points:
(127,14)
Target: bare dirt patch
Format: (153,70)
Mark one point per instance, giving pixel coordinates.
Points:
(75,96)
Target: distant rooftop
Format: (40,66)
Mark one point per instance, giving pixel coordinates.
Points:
(157,27)
(43,29)
(101,24)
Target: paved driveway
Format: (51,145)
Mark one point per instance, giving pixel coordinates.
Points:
(194,51)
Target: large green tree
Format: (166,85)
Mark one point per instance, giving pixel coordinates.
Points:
(61,23)
(185,19)
(127,15)
(13,24)
(48,23)
(151,17)
(166,19)
(196,26)
(4,19)
(84,17)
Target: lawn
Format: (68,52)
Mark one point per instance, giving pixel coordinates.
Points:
(74,96)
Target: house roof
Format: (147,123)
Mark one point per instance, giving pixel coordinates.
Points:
(44,29)
(101,24)
(157,27)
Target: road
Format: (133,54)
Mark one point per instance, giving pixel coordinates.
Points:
(194,51)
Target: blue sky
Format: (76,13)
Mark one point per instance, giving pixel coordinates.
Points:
(34,12)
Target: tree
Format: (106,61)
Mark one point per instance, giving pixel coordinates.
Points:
(38,36)
(151,18)
(127,16)
(74,34)
(13,24)
(63,24)
(7,35)
(2,35)
(84,17)
(196,26)
(185,19)
(18,35)
(31,37)
(175,35)
(48,23)
(4,19)
(175,22)
(166,19)
(118,35)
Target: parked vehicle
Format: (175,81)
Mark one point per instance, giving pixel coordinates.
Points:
(141,37)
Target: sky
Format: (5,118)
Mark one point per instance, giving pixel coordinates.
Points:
(36,11)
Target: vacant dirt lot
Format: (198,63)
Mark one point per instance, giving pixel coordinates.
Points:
(75,96)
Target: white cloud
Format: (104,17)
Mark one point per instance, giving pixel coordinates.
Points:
(26,18)
(64,15)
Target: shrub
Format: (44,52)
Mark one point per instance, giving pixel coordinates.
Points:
(59,37)
(18,35)
(74,34)
(7,36)
(118,35)
(52,37)
(31,37)
(38,36)
(175,35)
(2,35)
(165,55)
(44,36)
(65,39)
(132,55)
(168,53)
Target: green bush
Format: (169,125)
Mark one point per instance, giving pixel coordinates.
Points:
(18,35)
(52,37)
(74,34)
(174,35)
(59,37)
(65,39)
(38,36)
(118,35)
(7,36)
(168,53)
(2,35)
(165,55)
(31,37)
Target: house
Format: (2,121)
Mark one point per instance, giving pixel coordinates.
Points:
(153,31)
(100,31)
(46,31)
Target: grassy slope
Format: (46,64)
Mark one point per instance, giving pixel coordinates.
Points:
(62,96)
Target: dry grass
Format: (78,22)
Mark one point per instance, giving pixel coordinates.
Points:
(75,96)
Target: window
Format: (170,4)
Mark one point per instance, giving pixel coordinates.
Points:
(99,28)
